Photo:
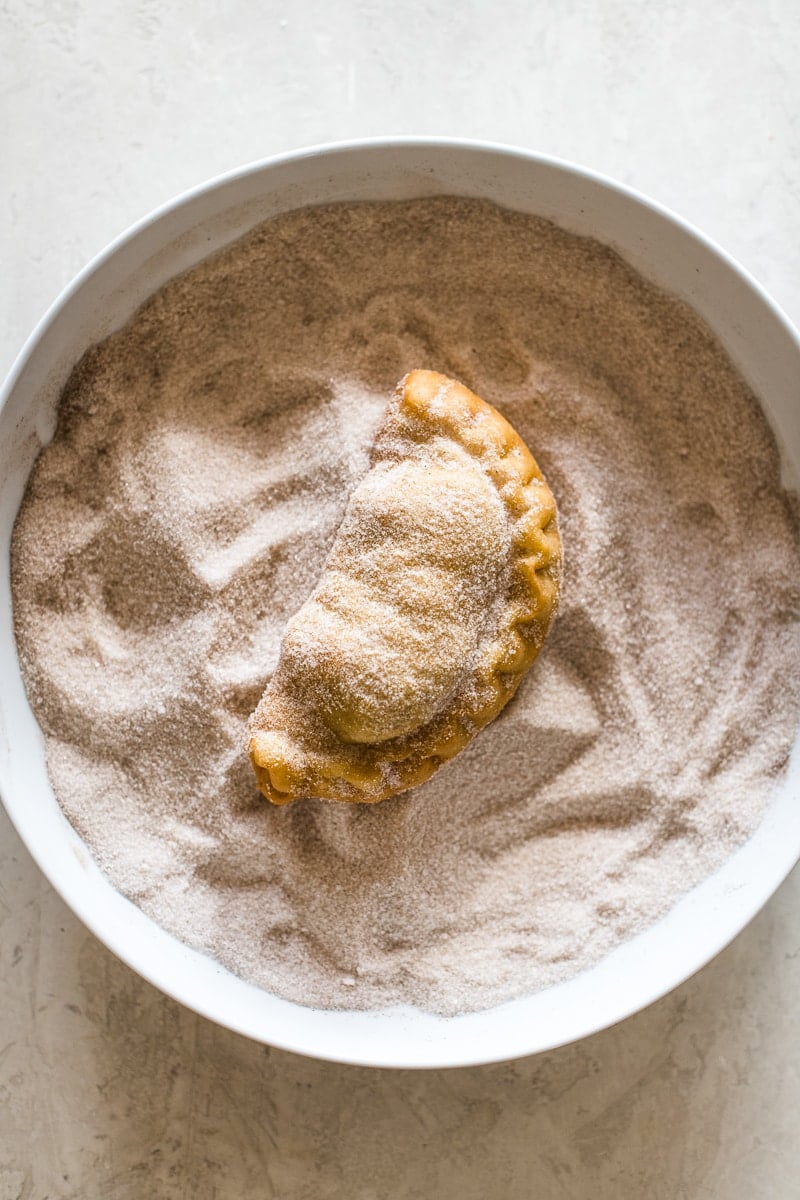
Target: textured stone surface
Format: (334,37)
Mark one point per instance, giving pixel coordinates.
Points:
(108,1089)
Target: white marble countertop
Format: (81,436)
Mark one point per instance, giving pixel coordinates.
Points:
(108,1089)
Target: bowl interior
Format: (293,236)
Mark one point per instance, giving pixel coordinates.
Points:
(103,297)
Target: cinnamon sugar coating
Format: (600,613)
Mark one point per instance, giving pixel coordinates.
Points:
(436,598)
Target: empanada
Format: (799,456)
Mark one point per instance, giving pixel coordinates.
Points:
(436,597)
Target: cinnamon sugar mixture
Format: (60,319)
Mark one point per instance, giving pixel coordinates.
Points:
(202,463)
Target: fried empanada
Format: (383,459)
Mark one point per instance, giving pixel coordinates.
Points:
(435,599)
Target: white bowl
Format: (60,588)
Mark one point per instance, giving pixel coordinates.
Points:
(659,245)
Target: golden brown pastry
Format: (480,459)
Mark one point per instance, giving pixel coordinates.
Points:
(435,599)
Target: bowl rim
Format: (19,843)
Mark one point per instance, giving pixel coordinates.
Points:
(530,1044)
